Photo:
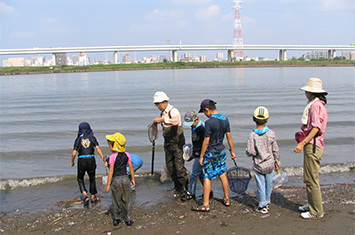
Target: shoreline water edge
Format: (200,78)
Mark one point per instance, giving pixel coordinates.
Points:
(176,217)
(173,65)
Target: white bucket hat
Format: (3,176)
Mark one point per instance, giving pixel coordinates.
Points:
(159,97)
(314,85)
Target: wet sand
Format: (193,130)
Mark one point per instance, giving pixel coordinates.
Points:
(175,217)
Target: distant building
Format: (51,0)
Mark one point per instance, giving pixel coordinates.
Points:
(69,61)
(83,59)
(187,58)
(15,62)
(219,57)
(161,58)
(38,61)
(60,58)
(203,58)
(147,60)
(349,55)
(48,62)
(126,59)
(316,55)
(76,59)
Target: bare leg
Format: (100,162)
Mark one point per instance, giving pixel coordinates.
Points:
(225,185)
(206,191)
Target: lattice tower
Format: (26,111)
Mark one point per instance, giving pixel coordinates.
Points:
(237,36)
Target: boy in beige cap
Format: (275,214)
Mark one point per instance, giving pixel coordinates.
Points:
(263,148)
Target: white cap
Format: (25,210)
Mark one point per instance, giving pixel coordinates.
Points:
(159,97)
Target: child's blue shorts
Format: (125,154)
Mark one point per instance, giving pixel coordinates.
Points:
(214,164)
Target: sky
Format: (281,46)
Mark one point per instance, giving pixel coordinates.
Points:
(71,23)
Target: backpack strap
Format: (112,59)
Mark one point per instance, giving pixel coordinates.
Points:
(314,142)
(169,114)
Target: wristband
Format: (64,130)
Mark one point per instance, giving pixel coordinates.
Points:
(305,141)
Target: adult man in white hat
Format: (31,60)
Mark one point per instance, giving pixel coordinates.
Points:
(174,140)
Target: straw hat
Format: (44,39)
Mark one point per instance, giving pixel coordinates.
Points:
(314,85)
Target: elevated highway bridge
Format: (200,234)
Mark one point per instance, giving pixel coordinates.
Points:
(175,48)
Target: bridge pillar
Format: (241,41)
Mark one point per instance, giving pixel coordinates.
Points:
(115,57)
(282,55)
(230,56)
(332,54)
(175,56)
(53,59)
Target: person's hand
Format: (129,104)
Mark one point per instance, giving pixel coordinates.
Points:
(72,164)
(276,167)
(201,161)
(107,188)
(105,163)
(133,183)
(233,156)
(158,120)
(299,147)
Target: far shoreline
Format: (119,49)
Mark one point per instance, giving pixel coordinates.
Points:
(173,65)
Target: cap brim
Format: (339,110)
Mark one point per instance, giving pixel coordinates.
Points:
(307,88)
(260,118)
(110,137)
(189,124)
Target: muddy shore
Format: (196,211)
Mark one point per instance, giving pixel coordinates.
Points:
(177,218)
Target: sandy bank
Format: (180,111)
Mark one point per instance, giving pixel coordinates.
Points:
(177,218)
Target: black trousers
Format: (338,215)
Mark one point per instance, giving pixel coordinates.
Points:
(176,166)
(87,165)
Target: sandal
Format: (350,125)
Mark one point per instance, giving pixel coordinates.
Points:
(94,200)
(227,202)
(201,208)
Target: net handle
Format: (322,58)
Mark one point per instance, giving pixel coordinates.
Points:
(235,163)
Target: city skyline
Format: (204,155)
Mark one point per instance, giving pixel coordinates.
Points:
(38,23)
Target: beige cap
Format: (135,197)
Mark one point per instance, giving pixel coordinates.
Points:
(261,113)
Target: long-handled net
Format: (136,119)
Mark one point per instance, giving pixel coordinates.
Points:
(152,135)
(238,178)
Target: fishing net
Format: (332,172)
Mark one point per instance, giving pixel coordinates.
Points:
(238,179)
(152,132)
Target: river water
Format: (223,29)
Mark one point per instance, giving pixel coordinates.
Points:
(40,115)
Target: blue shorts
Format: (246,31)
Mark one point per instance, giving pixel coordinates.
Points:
(214,164)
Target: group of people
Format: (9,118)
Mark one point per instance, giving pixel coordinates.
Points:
(209,154)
